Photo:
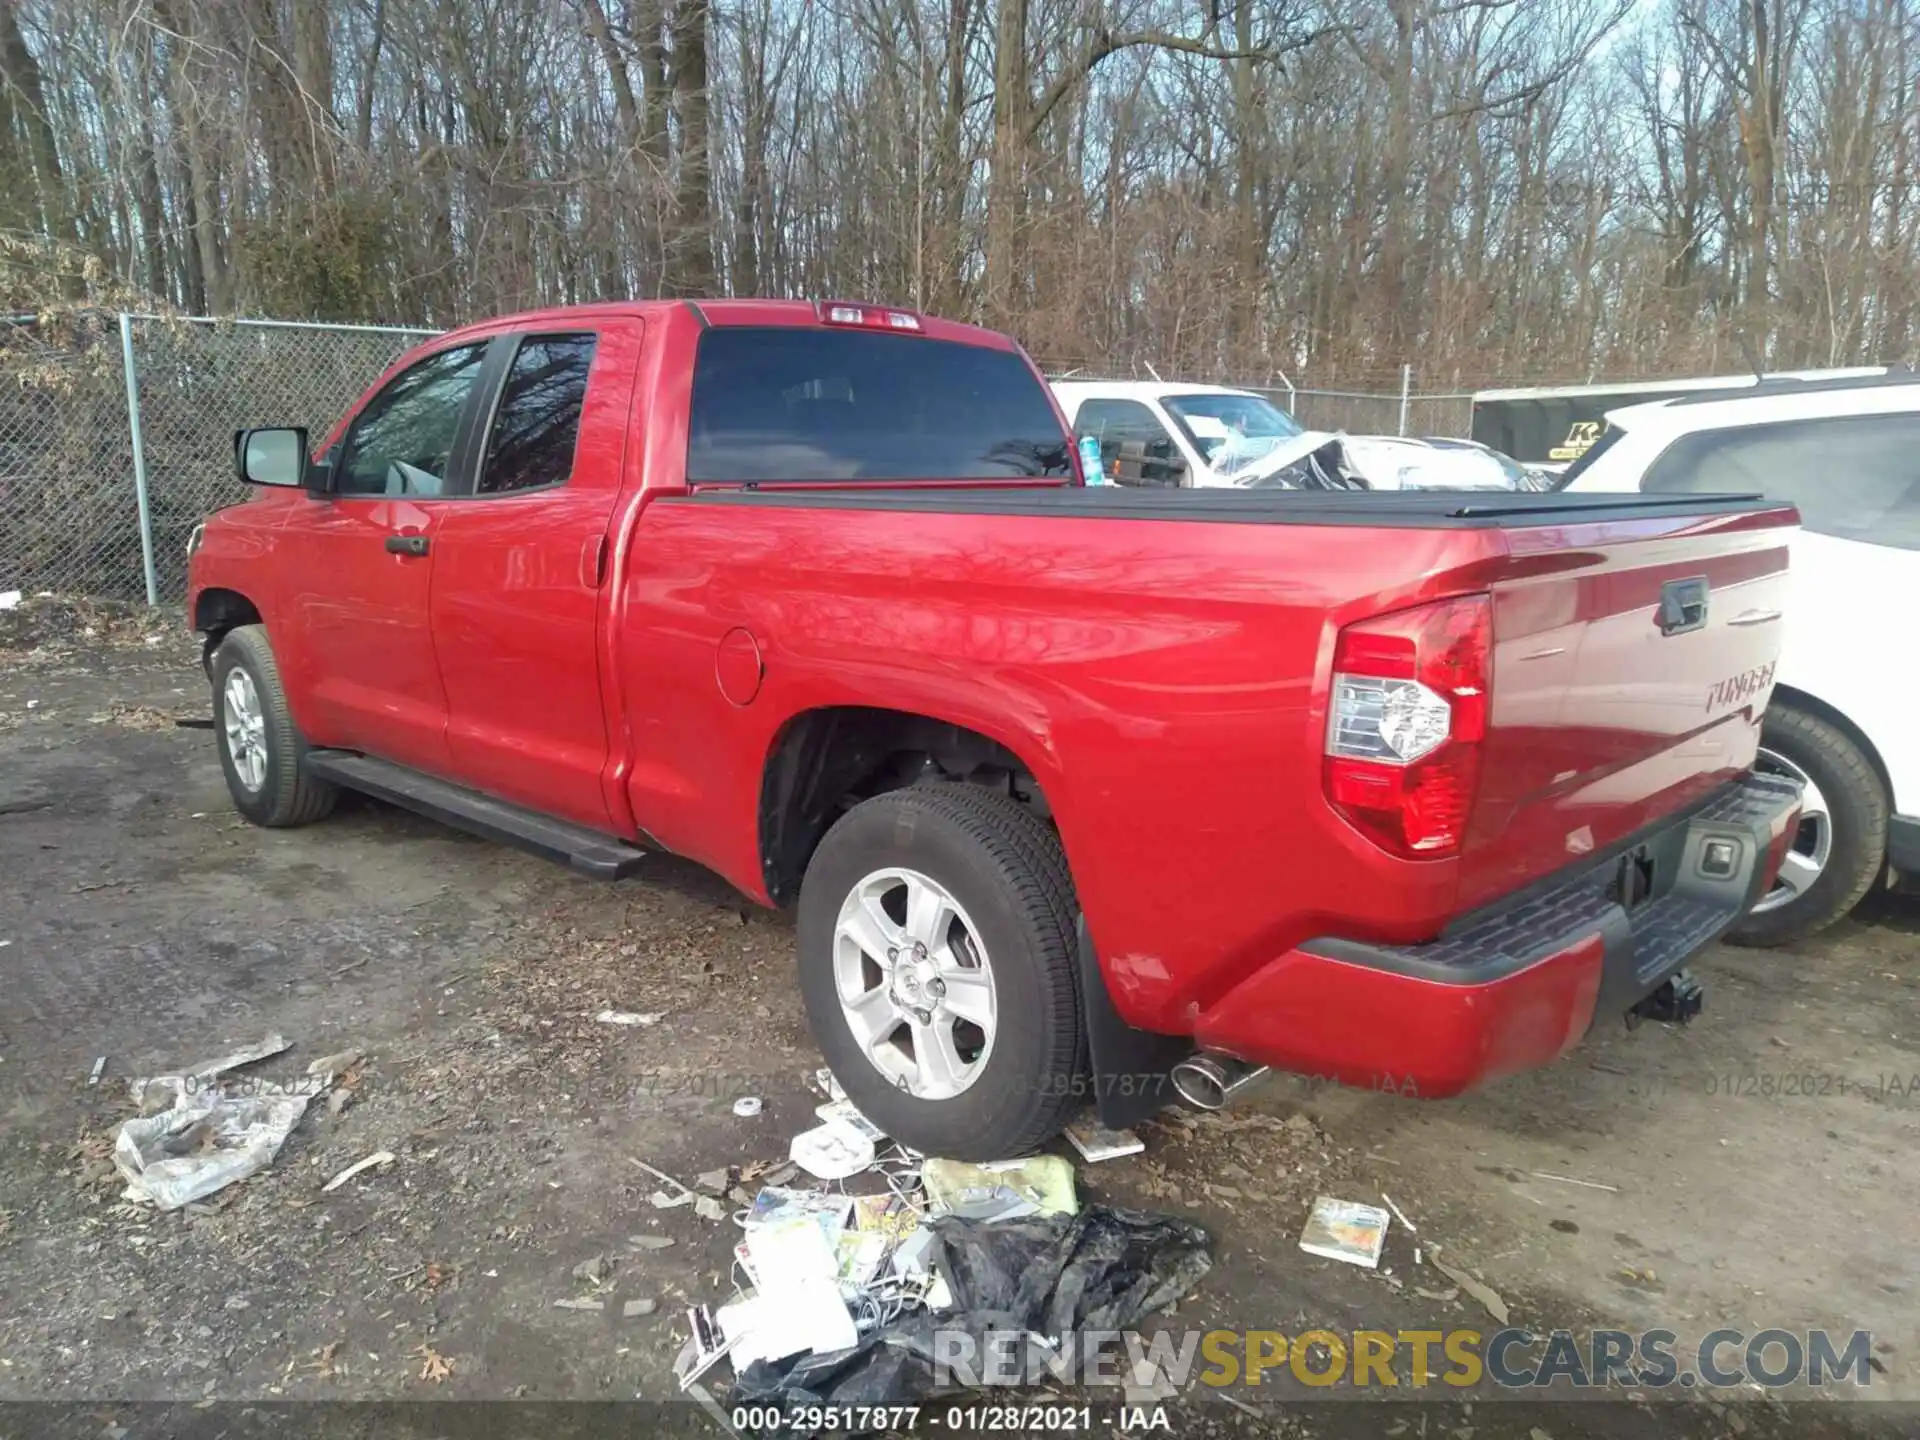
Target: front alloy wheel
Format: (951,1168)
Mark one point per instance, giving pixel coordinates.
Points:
(246,729)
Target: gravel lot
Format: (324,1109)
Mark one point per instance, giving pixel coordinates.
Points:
(1756,1169)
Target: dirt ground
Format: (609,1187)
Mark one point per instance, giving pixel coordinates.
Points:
(1757,1169)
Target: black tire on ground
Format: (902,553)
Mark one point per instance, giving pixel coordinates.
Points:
(1005,867)
(287,796)
(1857,810)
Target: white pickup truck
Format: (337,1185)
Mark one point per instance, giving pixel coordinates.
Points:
(1154,432)
(1846,450)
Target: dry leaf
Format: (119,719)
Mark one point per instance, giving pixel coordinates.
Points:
(433,1365)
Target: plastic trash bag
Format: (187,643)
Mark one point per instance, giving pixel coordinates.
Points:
(1052,1275)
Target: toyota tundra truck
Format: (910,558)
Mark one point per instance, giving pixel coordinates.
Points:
(1069,787)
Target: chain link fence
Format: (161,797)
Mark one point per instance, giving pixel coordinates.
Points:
(67,515)
(76,456)
(73,451)
(201,381)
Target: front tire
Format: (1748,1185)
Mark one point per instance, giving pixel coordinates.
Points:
(1840,848)
(260,749)
(936,929)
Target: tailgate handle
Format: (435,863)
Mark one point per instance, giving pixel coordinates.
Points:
(1683,605)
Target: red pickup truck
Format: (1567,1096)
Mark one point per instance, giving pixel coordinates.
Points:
(1068,784)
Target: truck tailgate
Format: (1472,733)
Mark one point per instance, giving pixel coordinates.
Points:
(1632,660)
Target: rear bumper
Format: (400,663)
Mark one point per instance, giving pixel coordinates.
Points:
(1516,986)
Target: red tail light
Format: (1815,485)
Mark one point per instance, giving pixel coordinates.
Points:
(1407,717)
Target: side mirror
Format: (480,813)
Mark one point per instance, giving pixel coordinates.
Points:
(271,457)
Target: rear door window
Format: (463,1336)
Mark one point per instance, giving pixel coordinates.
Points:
(775,403)
(538,417)
(1856,477)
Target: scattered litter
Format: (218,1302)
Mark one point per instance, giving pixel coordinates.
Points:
(379,1157)
(1147,1384)
(203,1144)
(661,1200)
(1096,1143)
(1485,1294)
(634,1309)
(157,1092)
(1452,1293)
(845,1112)
(747,1106)
(704,1348)
(1050,1276)
(99,1069)
(776,1205)
(708,1208)
(192,1138)
(713,1182)
(1001,1189)
(630,1017)
(1401,1216)
(1346,1230)
(337,1063)
(796,1305)
(824,1082)
(650,1242)
(1569,1180)
(832,1151)
(594,1270)
(9,599)
(578,1304)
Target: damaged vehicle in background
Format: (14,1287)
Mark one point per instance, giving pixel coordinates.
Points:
(1197,436)
(1066,784)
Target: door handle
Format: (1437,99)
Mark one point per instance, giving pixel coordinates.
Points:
(406,544)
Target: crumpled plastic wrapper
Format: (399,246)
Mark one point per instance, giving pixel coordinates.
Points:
(210,1134)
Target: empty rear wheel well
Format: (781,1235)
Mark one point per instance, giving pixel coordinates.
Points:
(826,761)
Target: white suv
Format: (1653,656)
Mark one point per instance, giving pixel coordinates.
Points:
(1845,714)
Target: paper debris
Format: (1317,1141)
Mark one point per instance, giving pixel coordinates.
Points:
(203,1144)
(1400,1215)
(845,1112)
(577,1304)
(1346,1230)
(630,1017)
(1096,1143)
(1001,1189)
(157,1092)
(832,1151)
(379,1157)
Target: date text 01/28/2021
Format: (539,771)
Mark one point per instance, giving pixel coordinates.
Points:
(982,1418)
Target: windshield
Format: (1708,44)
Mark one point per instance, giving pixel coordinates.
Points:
(1231,431)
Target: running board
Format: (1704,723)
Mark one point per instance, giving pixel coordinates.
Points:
(602,856)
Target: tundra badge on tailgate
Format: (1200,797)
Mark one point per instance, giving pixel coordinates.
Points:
(1738,689)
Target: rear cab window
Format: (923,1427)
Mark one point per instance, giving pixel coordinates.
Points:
(1855,477)
(773,403)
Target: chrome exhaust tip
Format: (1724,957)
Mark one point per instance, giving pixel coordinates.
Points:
(1210,1082)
